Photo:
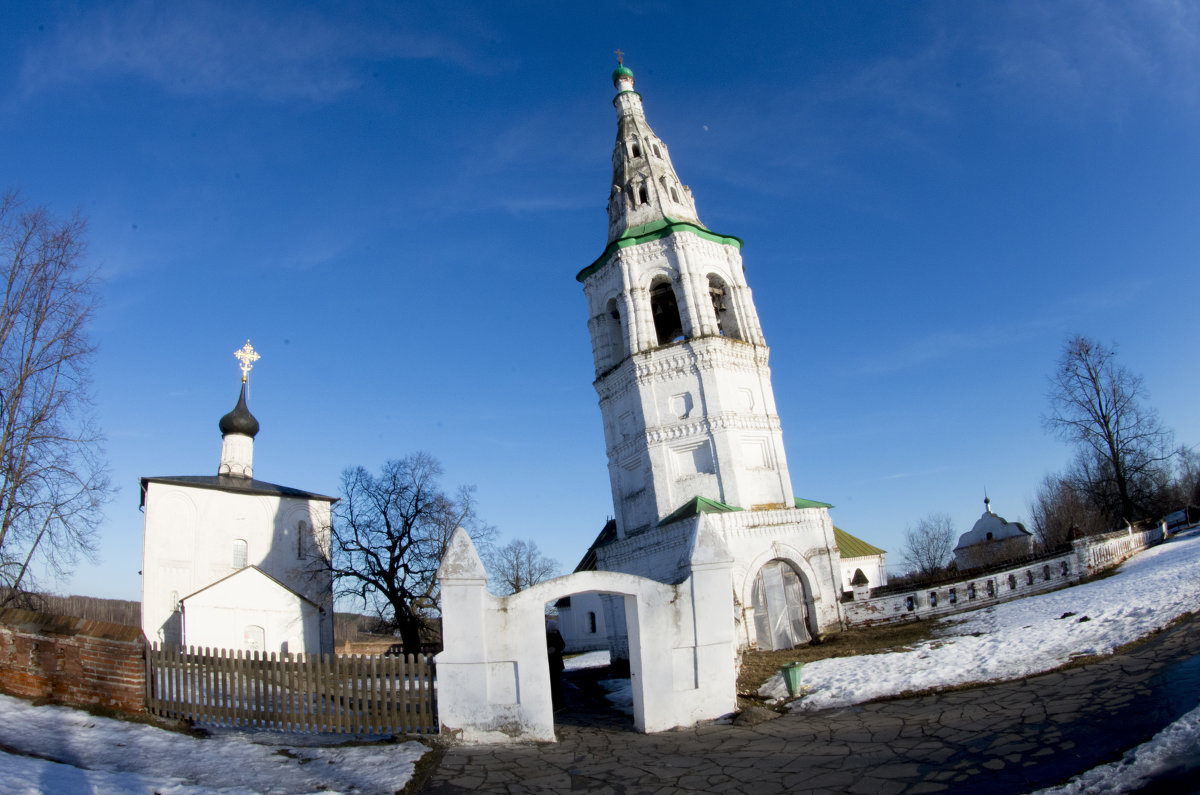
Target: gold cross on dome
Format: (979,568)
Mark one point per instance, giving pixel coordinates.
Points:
(247,357)
(620,57)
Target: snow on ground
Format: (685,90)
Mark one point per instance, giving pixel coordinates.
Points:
(1173,753)
(589,659)
(1016,639)
(1012,640)
(58,749)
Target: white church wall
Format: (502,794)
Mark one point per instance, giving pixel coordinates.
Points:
(189,542)
(251,612)
(873,566)
(583,624)
(800,537)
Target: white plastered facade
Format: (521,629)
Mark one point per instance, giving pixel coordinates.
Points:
(687,403)
(252,611)
(198,530)
(493,671)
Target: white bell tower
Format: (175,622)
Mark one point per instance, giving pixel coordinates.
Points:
(690,424)
(681,363)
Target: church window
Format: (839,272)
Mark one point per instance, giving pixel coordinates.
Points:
(240,553)
(674,195)
(665,311)
(656,152)
(591,622)
(780,602)
(254,638)
(727,324)
(301,529)
(637,149)
(643,195)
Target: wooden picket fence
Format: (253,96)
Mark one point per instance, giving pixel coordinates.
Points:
(360,694)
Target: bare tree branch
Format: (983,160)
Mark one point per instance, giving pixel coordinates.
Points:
(389,536)
(927,546)
(1123,449)
(53,478)
(518,565)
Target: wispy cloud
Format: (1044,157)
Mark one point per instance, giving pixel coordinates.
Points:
(1095,53)
(225,48)
(905,475)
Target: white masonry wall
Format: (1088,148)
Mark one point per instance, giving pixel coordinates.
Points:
(219,616)
(493,673)
(188,543)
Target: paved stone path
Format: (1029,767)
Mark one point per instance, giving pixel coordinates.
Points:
(1005,738)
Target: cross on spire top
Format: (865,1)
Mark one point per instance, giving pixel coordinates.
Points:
(620,57)
(246,357)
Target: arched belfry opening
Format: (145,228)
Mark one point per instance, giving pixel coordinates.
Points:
(613,334)
(780,601)
(664,308)
(727,322)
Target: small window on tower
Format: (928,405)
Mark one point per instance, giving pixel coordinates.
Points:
(674,196)
(656,152)
(240,554)
(637,149)
(643,195)
(301,531)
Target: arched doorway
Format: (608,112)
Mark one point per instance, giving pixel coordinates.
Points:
(780,603)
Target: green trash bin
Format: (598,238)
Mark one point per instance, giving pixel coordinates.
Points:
(791,677)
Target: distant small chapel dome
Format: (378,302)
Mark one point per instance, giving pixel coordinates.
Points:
(240,420)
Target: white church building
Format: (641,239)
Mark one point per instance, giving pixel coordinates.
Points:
(231,562)
(690,425)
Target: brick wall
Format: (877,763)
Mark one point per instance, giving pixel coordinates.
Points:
(72,661)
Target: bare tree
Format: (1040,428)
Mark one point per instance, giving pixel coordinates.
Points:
(389,536)
(1061,511)
(53,477)
(927,547)
(1098,405)
(518,565)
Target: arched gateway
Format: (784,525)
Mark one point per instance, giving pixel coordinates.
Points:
(493,672)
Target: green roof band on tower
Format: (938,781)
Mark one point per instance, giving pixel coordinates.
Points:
(653,231)
(621,71)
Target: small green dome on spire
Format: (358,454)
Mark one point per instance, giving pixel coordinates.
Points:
(621,71)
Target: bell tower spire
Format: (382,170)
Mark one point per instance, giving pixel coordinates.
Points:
(681,362)
(645,187)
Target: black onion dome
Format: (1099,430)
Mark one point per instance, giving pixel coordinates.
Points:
(240,420)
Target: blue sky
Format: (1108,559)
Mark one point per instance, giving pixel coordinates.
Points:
(391,201)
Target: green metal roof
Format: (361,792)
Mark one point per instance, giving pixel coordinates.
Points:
(621,71)
(696,506)
(654,231)
(803,503)
(851,547)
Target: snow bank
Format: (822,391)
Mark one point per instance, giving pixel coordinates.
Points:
(1019,638)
